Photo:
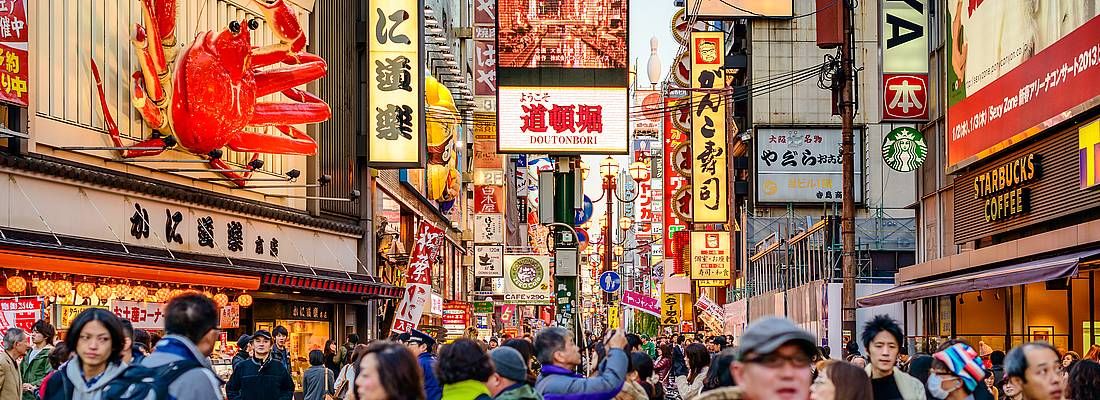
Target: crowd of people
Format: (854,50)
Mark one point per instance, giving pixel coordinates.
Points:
(103,357)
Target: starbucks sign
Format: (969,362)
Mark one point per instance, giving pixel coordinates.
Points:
(904,149)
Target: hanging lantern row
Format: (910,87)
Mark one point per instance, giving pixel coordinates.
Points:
(104,290)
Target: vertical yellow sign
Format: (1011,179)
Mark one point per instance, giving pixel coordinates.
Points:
(613,321)
(709,186)
(394,107)
(670,309)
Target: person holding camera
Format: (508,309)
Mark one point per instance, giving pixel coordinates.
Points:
(560,356)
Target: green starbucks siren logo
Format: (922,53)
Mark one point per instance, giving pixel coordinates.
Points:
(526,273)
(904,149)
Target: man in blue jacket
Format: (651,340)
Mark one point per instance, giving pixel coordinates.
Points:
(421,345)
(560,355)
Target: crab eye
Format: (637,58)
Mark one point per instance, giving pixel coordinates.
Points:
(235,26)
(254,24)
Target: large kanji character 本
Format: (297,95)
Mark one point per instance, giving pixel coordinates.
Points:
(394,122)
(382,35)
(534,119)
(393,74)
(561,118)
(590,119)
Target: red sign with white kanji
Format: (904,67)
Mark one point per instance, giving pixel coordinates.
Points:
(19,312)
(488,199)
(13,52)
(418,289)
(904,97)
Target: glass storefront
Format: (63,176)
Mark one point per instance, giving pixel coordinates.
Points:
(309,324)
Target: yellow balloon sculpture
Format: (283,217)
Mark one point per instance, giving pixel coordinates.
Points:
(442,121)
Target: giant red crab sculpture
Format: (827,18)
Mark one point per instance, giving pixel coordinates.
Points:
(204,100)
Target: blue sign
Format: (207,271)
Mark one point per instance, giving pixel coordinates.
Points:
(610,281)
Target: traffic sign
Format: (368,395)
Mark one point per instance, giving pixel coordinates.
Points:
(610,281)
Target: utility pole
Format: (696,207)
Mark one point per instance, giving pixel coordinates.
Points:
(565,285)
(848,207)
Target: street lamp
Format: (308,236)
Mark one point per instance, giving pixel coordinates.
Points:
(625,223)
(609,170)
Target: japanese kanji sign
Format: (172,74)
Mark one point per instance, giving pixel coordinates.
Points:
(488,199)
(13,52)
(708,129)
(143,315)
(802,165)
(489,261)
(674,182)
(562,120)
(710,255)
(418,290)
(395,107)
(904,44)
(485,48)
(19,312)
(488,228)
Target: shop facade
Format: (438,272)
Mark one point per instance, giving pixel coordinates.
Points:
(1027,226)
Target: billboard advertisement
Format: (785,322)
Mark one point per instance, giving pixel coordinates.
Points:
(561,73)
(396,112)
(803,165)
(485,47)
(904,44)
(14,29)
(1015,68)
(527,279)
(562,120)
(711,256)
(720,9)
(708,129)
(418,289)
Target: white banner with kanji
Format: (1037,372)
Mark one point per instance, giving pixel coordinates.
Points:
(144,315)
(418,290)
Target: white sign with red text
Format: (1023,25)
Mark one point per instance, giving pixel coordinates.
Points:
(562,120)
(19,312)
(143,315)
(419,276)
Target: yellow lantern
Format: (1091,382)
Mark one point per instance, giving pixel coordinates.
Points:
(245,300)
(85,289)
(16,284)
(208,294)
(221,299)
(45,287)
(139,292)
(122,290)
(62,288)
(163,294)
(103,292)
(175,293)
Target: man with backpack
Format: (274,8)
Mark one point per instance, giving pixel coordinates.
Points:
(262,377)
(179,368)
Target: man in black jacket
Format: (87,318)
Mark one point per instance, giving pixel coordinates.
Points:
(280,352)
(244,344)
(261,377)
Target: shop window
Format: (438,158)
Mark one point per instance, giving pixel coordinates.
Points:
(1047,315)
(305,336)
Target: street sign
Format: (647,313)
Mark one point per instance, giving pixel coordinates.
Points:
(610,281)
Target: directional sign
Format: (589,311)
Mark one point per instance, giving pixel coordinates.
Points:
(610,281)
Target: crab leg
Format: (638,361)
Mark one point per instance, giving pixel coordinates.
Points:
(295,142)
(162,143)
(237,179)
(152,69)
(284,23)
(308,109)
(152,115)
(282,78)
(160,17)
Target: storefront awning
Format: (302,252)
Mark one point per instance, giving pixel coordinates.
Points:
(1018,274)
(354,285)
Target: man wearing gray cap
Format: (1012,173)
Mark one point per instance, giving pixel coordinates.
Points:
(773,361)
(509,379)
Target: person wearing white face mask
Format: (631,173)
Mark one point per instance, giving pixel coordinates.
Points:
(956,372)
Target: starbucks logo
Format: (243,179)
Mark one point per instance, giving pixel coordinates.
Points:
(526,273)
(904,149)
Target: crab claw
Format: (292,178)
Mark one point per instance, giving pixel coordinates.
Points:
(284,23)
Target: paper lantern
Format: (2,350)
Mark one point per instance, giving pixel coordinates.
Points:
(245,300)
(122,290)
(221,299)
(163,294)
(62,288)
(45,287)
(208,294)
(103,292)
(175,293)
(139,292)
(85,289)
(16,284)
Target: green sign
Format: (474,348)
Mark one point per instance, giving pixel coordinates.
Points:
(904,149)
(483,307)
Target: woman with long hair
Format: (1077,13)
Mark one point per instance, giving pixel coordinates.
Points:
(663,364)
(643,366)
(719,375)
(1084,381)
(840,381)
(96,337)
(331,350)
(388,371)
(345,379)
(698,360)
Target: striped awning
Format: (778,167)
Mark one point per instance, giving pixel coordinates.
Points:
(363,287)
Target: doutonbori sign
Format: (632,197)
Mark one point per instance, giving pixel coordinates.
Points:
(904,44)
(1002,188)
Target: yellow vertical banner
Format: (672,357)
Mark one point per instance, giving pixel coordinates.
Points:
(670,309)
(613,321)
(396,84)
(709,98)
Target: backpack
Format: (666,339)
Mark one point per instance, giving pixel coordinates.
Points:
(137,382)
(58,386)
